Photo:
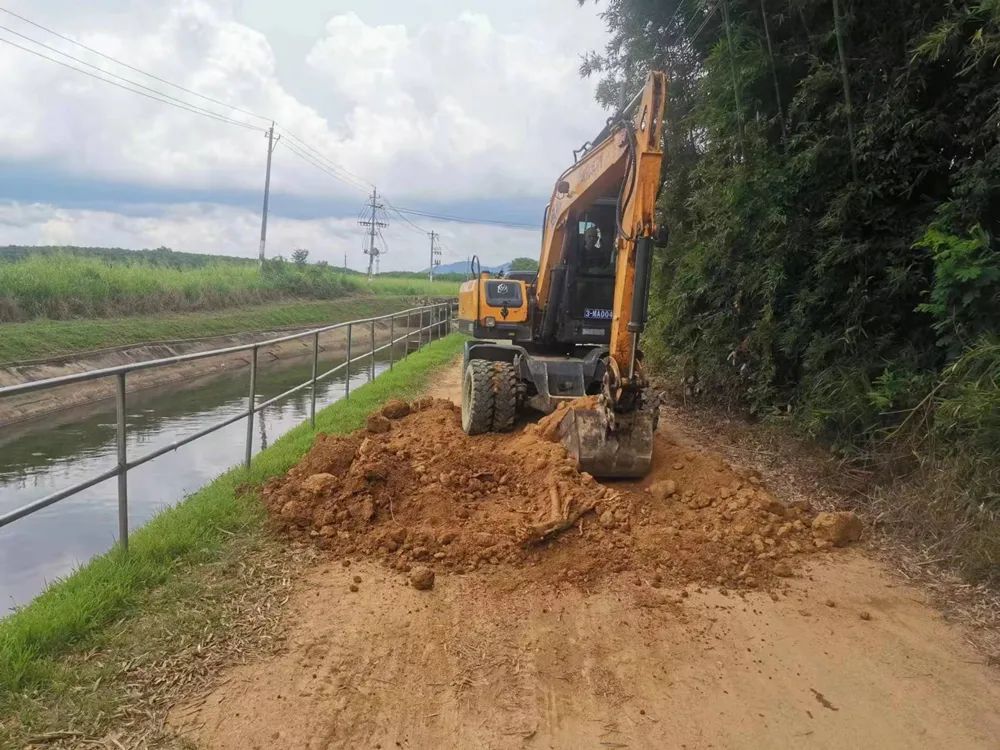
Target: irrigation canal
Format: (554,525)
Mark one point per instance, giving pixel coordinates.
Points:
(39,458)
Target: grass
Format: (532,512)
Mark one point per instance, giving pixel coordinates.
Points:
(61,286)
(37,339)
(51,650)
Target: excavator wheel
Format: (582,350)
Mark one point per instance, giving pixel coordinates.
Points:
(504,396)
(477,397)
(489,397)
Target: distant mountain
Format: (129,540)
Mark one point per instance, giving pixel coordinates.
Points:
(462,266)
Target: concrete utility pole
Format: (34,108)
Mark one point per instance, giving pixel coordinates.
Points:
(374,224)
(435,255)
(271,143)
(345,260)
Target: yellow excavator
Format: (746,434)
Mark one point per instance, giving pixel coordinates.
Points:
(572,329)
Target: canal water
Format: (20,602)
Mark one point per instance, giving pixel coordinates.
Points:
(40,459)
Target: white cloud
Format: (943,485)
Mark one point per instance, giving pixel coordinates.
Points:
(227,230)
(465,101)
(458,107)
(439,110)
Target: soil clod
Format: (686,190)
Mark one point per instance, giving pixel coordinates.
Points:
(422,578)
(837,528)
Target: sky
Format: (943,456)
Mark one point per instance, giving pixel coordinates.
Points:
(467,108)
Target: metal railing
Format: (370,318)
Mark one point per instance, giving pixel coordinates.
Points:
(433,320)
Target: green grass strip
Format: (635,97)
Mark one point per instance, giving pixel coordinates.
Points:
(70,285)
(73,613)
(39,339)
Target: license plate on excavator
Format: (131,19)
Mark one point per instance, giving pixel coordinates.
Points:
(622,451)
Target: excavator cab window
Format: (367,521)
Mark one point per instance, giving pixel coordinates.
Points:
(503,294)
(591,277)
(595,243)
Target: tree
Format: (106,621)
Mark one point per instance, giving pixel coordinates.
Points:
(524,264)
(300,257)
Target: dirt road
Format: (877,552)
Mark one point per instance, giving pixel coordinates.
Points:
(841,654)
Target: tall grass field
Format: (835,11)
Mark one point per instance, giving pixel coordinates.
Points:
(64,285)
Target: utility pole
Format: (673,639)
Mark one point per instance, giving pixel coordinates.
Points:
(345,261)
(374,224)
(271,143)
(435,255)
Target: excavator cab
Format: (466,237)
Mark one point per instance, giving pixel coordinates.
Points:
(589,279)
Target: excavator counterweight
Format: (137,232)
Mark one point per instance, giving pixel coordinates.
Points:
(572,330)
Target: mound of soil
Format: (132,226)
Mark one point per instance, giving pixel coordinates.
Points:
(413,489)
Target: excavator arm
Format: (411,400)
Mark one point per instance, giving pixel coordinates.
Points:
(615,438)
(626,157)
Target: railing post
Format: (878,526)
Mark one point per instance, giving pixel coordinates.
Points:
(420,341)
(312,405)
(122,466)
(252,406)
(392,340)
(347,378)
(409,334)
(371,375)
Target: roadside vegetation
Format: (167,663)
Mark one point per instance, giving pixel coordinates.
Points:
(62,284)
(106,646)
(44,339)
(834,262)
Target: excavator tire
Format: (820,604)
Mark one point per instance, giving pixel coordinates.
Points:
(505,383)
(478,397)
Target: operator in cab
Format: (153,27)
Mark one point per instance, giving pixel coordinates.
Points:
(596,257)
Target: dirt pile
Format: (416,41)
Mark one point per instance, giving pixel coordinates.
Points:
(412,489)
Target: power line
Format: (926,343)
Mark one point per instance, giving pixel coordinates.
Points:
(302,149)
(704,24)
(158,97)
(306,157)
(677,12)
(326,164)
(465,220)
(115,75)
(132,67)
(403,217)
(348,175)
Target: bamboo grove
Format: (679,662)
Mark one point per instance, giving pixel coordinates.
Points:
(832,188)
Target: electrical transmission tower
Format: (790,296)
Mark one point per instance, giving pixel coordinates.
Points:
(374,224)
(435,254)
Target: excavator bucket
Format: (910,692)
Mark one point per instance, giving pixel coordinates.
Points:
(624,450)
